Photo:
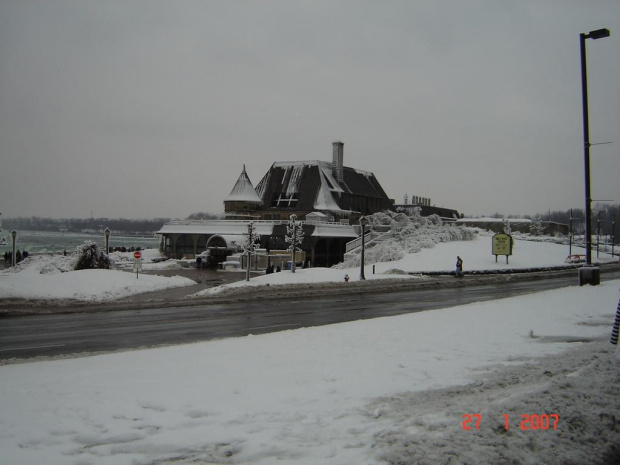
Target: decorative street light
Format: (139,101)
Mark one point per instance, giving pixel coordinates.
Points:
(598,34)
(13,257)
(106,231)
(249,247)
(363,222)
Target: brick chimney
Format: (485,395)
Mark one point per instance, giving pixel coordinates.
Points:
(337,162)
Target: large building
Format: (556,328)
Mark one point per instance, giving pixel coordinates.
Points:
(339,192)
(328,197)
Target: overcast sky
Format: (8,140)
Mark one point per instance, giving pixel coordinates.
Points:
(144,109)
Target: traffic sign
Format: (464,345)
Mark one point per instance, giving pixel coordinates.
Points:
(137,255)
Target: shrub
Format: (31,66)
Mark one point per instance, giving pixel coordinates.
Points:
(90,257)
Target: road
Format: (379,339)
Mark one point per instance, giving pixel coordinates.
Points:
(60,334)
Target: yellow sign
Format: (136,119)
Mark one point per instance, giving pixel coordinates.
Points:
(502,244)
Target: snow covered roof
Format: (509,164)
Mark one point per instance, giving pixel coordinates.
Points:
(243,191)
(229,229)
(333,230)
(311,186)
(221,227)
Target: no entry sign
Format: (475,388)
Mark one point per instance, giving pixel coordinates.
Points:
(137,255)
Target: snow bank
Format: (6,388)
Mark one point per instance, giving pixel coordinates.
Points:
(124,261)
(49,277)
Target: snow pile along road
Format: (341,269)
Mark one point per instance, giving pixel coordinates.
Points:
(51,277)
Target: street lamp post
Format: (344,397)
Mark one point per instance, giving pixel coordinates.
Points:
(13,256)
(106,231)
(598,34)
(362,224)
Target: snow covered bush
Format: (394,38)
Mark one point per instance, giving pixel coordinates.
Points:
(90,257)
(407,235)
(386,251)
(537,228)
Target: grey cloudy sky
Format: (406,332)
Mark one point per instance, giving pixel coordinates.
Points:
(150,108)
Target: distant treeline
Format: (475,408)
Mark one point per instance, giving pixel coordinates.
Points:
(127,226)
(602,215)
(600,211)
(205,216)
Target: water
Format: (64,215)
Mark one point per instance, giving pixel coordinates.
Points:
(45,242)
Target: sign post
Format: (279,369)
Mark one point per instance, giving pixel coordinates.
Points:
(502,245)
(137,262)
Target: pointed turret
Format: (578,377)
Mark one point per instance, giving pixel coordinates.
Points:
(243,198)
(243,190)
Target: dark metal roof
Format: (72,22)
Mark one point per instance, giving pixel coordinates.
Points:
(309,186)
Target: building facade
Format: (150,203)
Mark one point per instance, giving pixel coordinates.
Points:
(327,196)
(341,193)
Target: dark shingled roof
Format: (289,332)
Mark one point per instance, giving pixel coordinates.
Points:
(310,185)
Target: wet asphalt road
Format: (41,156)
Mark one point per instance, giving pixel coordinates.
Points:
(58,334)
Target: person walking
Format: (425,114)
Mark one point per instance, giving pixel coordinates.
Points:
(459,266)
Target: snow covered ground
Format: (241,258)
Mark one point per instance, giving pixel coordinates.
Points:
(49,277)
(476,255)
(390,390)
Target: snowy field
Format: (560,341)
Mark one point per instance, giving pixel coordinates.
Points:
(390,390)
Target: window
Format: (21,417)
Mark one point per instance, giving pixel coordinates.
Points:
(282,200)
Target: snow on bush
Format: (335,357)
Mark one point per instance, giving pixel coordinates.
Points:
(407,235)
(90,257)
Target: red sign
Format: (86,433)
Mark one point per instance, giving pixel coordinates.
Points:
(137,255)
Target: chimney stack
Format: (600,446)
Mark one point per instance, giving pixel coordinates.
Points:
(337,162)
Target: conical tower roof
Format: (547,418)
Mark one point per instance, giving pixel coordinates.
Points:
(243,190)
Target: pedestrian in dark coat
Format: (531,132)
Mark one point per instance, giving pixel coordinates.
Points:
(459,266)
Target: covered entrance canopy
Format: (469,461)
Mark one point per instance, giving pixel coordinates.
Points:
(187,239)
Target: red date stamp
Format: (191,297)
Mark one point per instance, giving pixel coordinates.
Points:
(528,422)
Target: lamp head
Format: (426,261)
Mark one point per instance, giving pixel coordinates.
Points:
(598,34)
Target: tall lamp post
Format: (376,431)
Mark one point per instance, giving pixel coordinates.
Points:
(598,34)
(13,256)
(363,222)
(106,231)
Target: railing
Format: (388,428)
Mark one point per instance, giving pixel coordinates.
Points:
(368,237)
